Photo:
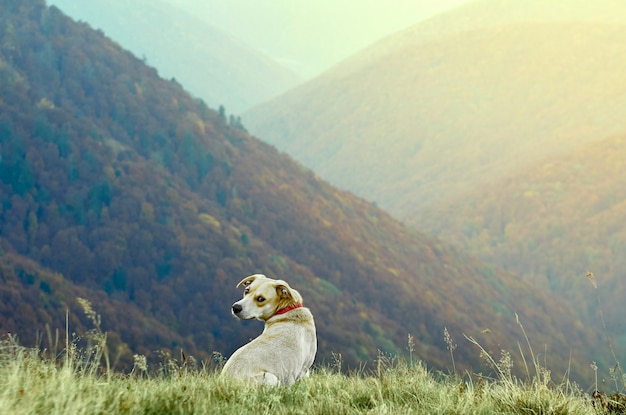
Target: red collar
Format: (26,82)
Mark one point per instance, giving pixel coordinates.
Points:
(289,308)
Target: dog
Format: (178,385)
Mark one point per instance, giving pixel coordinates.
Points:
(285,351)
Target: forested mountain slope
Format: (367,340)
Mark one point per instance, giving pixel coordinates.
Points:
(117,185)
(209,63)
(553,222)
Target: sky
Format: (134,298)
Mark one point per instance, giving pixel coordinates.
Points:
(311,36)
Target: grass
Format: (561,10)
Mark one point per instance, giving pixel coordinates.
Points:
(74,381)
(33,384)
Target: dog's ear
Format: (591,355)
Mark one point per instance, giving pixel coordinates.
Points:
(249,280)
(285,292)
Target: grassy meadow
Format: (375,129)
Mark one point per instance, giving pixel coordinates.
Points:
(80,381)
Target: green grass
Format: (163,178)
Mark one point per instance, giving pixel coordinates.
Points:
(31,383)
(75,381)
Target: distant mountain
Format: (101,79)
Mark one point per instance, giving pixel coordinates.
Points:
(311,36)
(424,120)
(482,14)
(213,65)
(553,221)
(120,187)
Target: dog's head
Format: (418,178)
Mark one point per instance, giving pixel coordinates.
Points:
(263,297)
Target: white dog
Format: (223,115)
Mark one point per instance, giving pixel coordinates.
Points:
(285,350)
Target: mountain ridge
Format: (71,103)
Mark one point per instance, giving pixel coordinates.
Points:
(432,120)
(481,14)
(211,64)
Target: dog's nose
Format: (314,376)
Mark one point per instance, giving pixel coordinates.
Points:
(237,308)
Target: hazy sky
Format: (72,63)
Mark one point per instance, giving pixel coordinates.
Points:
(310,36)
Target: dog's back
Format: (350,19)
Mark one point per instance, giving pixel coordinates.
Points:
(282,354)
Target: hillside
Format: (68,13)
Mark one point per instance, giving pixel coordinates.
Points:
(208,62)
(118,185)
(552,222)
(426,121)
(481,14)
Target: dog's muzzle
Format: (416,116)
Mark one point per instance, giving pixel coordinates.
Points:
(237,308)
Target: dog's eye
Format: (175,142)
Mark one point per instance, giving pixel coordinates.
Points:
(260,299)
